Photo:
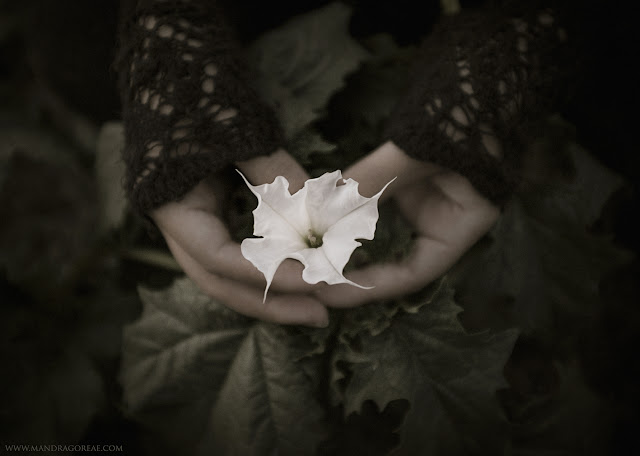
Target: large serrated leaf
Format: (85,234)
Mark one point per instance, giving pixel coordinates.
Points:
(175,359)
(307,144)
(267,404)
(579,196)
(304,62)
(570,420)
(356,114)
(448,376)
(540,260)
(180,348)
(189,361)
(373,91)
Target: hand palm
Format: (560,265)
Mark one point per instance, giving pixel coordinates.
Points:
(201,243)
(448,215)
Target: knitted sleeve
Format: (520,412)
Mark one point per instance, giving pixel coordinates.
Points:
(189,108)
(483,80)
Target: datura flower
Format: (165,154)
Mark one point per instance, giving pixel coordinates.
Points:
(318,226)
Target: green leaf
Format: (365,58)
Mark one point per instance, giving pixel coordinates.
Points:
(180,347)
(267,405)
(570,419)
(393,241)
(448,376)
(539,263)
(207,377)
(372,91)
(357,112)
(579,186)
(176,358)
(307,144)
(304,62)
(110,173)
(371,431)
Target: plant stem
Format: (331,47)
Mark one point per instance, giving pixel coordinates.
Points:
(152,257)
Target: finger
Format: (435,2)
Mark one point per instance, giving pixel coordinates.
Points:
(446,230)
(458,217)
(265,169)
(205,238)
(384,164)
(428,261)
(288,277)
(459,189)
(289,309)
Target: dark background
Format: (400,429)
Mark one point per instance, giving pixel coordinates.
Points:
(64,295)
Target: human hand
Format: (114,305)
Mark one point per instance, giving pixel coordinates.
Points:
(201,243)
(448,214)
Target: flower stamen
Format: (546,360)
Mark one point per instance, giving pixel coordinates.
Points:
(313,240)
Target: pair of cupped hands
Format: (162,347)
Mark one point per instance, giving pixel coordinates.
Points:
(447,213)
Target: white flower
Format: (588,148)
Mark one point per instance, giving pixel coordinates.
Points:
(317,226)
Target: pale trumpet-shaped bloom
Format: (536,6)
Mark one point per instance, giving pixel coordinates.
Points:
(318,226)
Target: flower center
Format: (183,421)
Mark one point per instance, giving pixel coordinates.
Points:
(313,240)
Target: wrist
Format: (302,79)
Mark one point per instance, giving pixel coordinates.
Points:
(384,164)
(264,169)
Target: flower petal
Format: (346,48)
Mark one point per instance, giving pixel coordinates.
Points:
(337,213)
(327,202)
(267,254)
(318,268)
(339,241)
(279,213)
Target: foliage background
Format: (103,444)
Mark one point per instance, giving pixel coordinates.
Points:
(78,271)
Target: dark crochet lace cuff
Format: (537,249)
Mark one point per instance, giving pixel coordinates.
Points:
(482,84)
(188,105)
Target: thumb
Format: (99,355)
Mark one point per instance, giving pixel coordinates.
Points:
(384,164)
(264,169)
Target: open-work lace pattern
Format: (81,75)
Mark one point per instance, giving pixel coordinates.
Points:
(188,105)
(483,81)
